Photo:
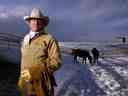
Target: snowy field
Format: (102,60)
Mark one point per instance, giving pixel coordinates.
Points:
(107,78)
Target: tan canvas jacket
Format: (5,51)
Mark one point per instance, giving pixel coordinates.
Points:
(43,50)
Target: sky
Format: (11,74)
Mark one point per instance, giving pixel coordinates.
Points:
(70,20)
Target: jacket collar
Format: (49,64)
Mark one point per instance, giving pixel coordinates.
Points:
(42,32)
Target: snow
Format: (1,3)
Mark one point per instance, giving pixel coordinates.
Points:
(108,77)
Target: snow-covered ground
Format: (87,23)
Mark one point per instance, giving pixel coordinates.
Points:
(107,78)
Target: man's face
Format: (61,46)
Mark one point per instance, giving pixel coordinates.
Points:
(36,25)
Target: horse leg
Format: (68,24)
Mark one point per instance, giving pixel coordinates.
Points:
(85,60)
(82,60)
(75,59)
(94,61)
(97,60)
(90,59)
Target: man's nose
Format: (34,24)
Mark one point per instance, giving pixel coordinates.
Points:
(36,22)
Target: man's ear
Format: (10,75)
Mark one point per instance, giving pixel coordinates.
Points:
(46,22)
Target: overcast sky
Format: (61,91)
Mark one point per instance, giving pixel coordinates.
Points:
(78,20)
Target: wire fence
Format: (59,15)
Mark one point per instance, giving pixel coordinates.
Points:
(10,40)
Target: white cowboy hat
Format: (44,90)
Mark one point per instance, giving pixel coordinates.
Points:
(36,14)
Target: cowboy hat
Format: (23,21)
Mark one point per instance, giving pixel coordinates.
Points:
(36,14)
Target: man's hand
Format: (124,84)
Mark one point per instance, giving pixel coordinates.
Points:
(25,75)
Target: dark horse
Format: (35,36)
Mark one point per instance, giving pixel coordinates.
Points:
(84,54)
(95,53)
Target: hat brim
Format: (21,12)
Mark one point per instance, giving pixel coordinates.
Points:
(27,18)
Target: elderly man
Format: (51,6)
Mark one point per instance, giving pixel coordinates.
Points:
(40,58)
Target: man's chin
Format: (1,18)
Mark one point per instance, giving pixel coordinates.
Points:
(35,31)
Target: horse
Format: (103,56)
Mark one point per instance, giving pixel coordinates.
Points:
(84,54)
(95,53)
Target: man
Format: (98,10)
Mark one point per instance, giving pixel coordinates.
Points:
(40,58)
(95,53)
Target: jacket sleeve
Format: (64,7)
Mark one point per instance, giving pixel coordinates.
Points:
(54,56)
